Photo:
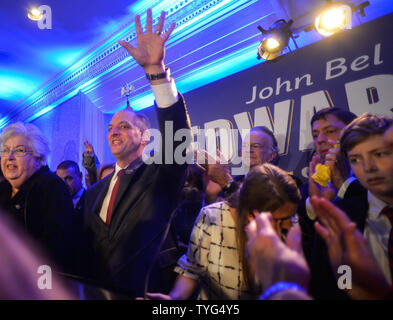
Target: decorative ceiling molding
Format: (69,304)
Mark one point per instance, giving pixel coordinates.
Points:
(213,39)
(109,56)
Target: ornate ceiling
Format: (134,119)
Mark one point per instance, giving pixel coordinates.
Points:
(212,39)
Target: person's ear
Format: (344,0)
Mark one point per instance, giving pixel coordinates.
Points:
(273,156)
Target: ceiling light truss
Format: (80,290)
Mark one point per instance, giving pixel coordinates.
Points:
(275,39)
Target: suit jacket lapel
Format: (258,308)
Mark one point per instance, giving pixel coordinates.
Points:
(81,201)
(101,195)
(123,186)
(356,208)
(126,181)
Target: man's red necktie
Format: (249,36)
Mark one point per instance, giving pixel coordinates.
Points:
(113,197)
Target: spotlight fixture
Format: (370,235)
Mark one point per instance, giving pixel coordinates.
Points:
(275,39)
(35,14)
(336,16)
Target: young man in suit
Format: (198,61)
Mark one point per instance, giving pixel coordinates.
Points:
(371,160)
(362,144)
(128,212)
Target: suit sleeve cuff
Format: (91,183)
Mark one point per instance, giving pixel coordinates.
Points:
(344,187)
(165,94)
(310,210)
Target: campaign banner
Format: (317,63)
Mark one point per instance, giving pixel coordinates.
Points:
(352,70)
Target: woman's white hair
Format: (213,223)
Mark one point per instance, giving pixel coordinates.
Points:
(37,142)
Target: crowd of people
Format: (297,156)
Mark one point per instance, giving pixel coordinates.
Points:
(179,231)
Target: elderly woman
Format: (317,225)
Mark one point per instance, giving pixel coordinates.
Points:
(34,196)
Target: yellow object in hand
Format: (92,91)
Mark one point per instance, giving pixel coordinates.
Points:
(322,174)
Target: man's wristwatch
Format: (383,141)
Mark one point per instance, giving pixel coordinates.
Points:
(159,76)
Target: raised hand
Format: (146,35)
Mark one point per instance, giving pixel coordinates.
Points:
(216,169)
(339,167)
(272,259)
(150,51)
(316,189)
(88,148)
(347,246)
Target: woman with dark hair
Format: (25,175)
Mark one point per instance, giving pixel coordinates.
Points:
(216,256)
(266,188)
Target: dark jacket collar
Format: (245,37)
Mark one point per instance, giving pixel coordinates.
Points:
(133,166)
(6,188)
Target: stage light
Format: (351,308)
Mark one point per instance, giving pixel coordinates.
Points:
(272,43)
(35,14)
(336,16)
(275,39)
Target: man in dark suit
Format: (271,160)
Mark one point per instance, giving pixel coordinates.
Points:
(128,213)
(70,173)
(326,126)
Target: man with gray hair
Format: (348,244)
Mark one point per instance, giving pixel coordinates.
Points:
(34,196)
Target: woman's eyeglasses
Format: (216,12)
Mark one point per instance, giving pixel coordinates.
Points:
(17,152)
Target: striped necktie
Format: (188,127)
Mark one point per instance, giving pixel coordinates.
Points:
(388,211)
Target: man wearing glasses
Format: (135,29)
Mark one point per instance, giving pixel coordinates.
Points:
(259,147)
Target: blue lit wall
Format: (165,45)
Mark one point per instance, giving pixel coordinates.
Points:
(62,127)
